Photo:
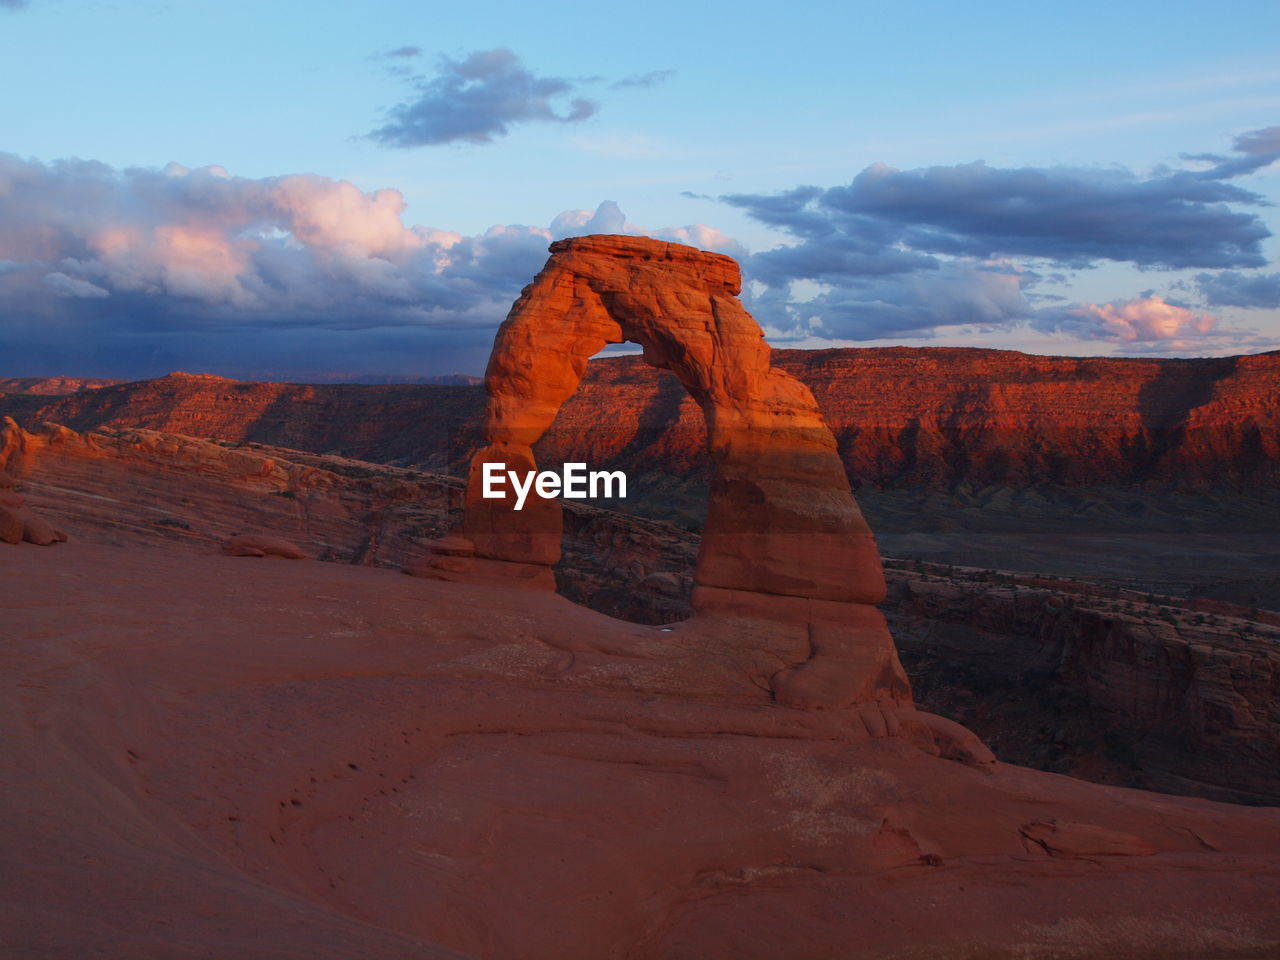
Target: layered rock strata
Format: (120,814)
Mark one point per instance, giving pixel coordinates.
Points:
(784,539)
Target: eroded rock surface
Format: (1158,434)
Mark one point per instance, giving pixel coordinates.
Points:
(288,761)
(144,487)
(784,539)
(1097,682)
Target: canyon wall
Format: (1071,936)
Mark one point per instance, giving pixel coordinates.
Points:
(902,417)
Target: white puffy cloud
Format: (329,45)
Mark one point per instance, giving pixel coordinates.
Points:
(153,267)
(609,218)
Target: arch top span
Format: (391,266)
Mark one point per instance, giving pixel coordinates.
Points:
(783,532)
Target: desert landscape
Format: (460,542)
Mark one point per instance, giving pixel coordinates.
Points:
(239,729)
(714,481)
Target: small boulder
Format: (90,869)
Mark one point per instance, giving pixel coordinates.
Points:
(242,550)
(37,530)
(257,545)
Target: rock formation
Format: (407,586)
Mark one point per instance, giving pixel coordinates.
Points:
(1106,684)
(207,756)
(1060,675)
(784,539)
(938,416)
(18,524)
(263,545)
(1161,469)
(146,488)
(280,761)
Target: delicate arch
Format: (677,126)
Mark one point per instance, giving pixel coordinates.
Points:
(784,542)
(781,517)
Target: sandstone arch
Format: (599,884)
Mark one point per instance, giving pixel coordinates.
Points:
(784,538)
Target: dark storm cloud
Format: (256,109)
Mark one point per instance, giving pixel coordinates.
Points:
(904,252)
(1232,289)
(477,99)
(836,259)
(1071,216)
(119,267)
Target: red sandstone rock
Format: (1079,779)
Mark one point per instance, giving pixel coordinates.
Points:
(781,520)
(147,488)
(243,550)
(1128,688)
(453,546)
(413,769)
(1197,702)
(938,416)
(1084,840)
(260,545)
(12,526)
(37,530)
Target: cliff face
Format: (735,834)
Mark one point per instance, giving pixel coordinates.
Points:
(903,417)
(52,386)
(1105,684)
(940,417)
(1162,472)
(377,423)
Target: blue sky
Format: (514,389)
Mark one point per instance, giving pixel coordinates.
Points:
(288,189)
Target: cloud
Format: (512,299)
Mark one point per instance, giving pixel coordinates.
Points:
(1232,289)
(404,52)
(905,252)
(135,272)
(1146,319)
(650,79)
(955,293)
(1067,215)
(476,100)
(1258,149)
(14,4)
(609,218)
(65,286)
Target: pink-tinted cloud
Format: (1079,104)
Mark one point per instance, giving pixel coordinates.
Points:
(145,270)
(1147,319)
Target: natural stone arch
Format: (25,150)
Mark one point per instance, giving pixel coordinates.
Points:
(784,538)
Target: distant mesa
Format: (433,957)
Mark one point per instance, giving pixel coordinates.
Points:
(52,386)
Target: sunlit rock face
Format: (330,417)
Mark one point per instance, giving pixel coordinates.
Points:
(784,539)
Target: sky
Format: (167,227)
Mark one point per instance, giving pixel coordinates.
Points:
(310,191)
